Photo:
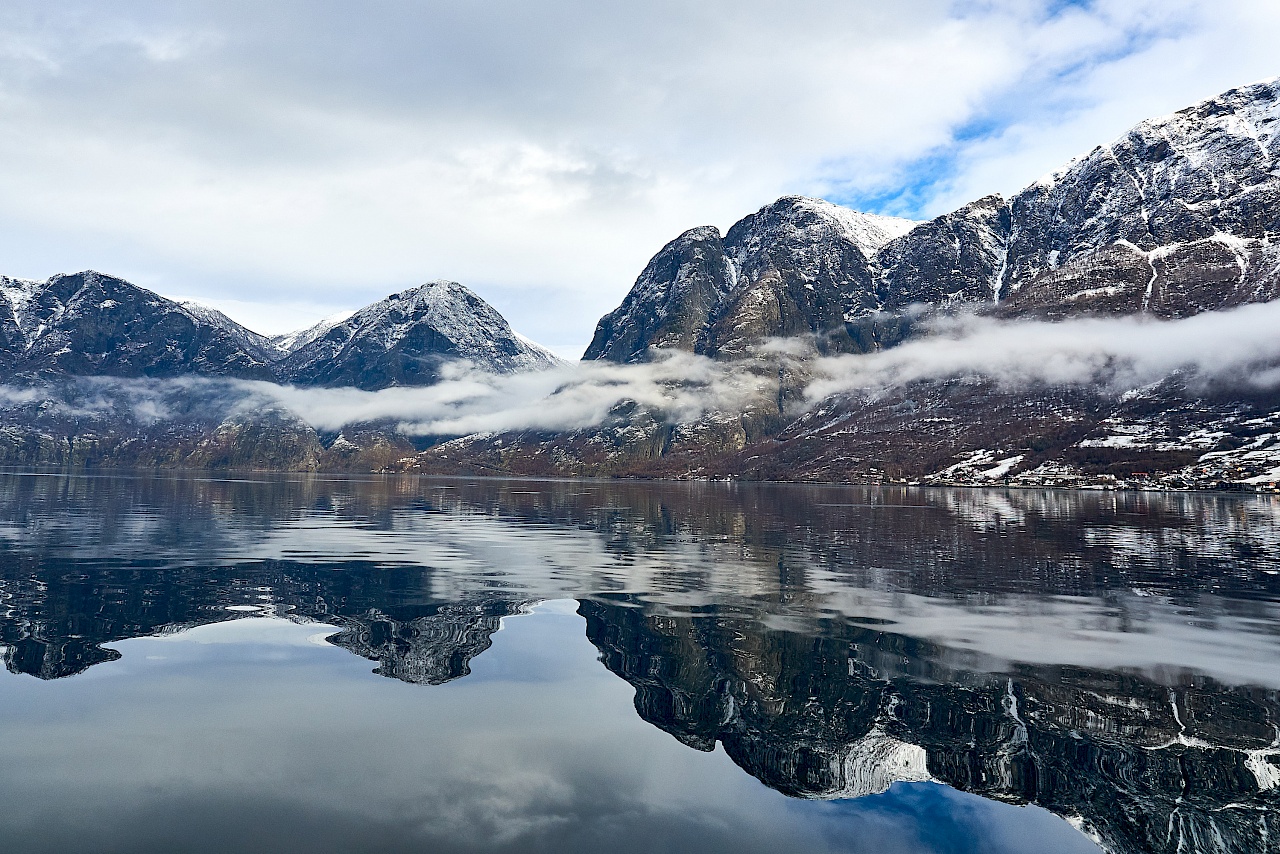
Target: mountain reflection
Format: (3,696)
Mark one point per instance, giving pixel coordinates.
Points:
(1110,657)
(1146,767)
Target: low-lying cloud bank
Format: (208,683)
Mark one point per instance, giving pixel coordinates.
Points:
(575,396)
(1239,348)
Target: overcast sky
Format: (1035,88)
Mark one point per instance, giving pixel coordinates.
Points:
(285,160)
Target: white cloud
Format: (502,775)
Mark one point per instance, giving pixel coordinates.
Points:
(571,397)
(1188,51)
(330,154)
(1238,346)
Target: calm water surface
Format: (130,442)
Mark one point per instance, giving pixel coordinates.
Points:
(321,664)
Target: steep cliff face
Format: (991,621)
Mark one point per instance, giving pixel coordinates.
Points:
(796,267)
(673,302)
(957,258)
(801,266)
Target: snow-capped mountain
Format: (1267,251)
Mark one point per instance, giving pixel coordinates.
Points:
(91,324)
(405,338)
(1178,216)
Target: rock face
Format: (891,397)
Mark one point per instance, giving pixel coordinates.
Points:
(955,259)
(795,267)
(1193,197)
(90,324)
(1177,217)
(407,337)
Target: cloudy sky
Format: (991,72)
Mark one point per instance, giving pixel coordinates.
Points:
(290,159)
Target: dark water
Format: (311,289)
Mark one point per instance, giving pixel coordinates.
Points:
(337,665)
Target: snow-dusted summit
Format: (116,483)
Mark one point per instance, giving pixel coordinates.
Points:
(90,324)
(407,337)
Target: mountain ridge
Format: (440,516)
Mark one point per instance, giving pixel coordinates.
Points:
(1178,215)
(94,324)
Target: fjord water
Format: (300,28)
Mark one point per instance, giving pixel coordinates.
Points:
(311,663)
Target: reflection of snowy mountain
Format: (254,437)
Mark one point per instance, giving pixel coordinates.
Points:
(1139,766)
(1080,651)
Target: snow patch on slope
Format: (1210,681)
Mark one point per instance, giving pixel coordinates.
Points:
(291,341)
(20,293)
(867,231)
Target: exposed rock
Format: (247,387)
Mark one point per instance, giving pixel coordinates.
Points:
(273,440)
(795,267)
(957,258)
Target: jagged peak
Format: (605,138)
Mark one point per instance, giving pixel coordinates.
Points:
(991,201)
(448,307)
(867,231)
(1262,96)
(698,234)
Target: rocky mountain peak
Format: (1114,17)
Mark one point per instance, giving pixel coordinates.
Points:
(797,266)
(804,221)
(674,300)
(405,339)
(90,323)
